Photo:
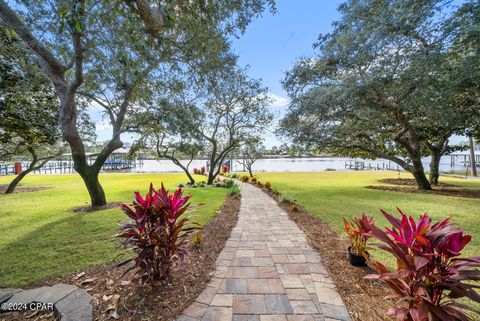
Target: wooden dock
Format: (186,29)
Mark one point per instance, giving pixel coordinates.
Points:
(362,165)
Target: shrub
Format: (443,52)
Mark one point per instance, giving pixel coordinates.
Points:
(234,175)
(294,207)
(229,183)
(157,233)
(259,183)
(286,198)
(196,170)
(268,185)
(197,239)
(244,178)
(429,276)
(356,230)
(202,170)
(274,190)
(253,179)
(330,170)
(235,191)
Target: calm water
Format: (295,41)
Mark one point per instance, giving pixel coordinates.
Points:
(317,164)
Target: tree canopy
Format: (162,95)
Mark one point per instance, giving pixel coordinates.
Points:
(379,85)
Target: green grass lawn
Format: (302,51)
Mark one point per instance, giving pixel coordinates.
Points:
(334,195)
(40,236)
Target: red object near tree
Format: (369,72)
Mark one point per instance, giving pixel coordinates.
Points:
(225,168)
(18,168)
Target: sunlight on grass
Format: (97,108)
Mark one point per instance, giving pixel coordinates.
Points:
(41,236)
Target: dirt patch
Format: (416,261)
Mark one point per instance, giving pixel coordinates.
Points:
(20,189)
(166,301)
(364,298)
(89,208)
(443,191)
(409,182)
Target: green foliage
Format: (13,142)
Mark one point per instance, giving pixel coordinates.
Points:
(229,183)
(234,175)
(244,178)
(234,191)
(253,179)
(268,185)
(28,105)
(383,83)
(274,190)
(287,198)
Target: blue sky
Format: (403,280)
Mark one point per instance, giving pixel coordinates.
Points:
(272,43)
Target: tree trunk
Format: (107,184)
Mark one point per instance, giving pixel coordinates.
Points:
(421,179)
(184,168)
(434,174)
(95,189)
(472,155)
(211,174)
(250,171)
(13,184)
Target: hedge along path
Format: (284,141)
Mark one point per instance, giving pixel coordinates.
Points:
(267,272)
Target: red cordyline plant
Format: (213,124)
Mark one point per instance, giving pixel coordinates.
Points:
(356,230)
(430,276)
(157,233)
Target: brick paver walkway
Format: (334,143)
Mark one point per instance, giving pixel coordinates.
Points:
(267,272)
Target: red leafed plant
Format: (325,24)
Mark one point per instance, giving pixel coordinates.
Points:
(356,230)
(430,276)
(157,233)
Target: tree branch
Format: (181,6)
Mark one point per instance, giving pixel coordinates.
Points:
(54,68)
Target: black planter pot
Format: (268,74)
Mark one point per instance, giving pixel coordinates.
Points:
(356,260)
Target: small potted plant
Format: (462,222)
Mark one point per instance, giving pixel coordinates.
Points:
(356,230)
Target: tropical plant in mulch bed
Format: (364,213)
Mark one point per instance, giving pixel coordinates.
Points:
(229,183)
(235,191)
(356,230)
(430,276)
(158,233)
(268,185)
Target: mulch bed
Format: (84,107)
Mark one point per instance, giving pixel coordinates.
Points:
(364,298)
(410,186)
(116,298)
(89,208)
(20,189)
(409,182)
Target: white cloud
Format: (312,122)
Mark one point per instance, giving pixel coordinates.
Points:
(102,126)
(277,100)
